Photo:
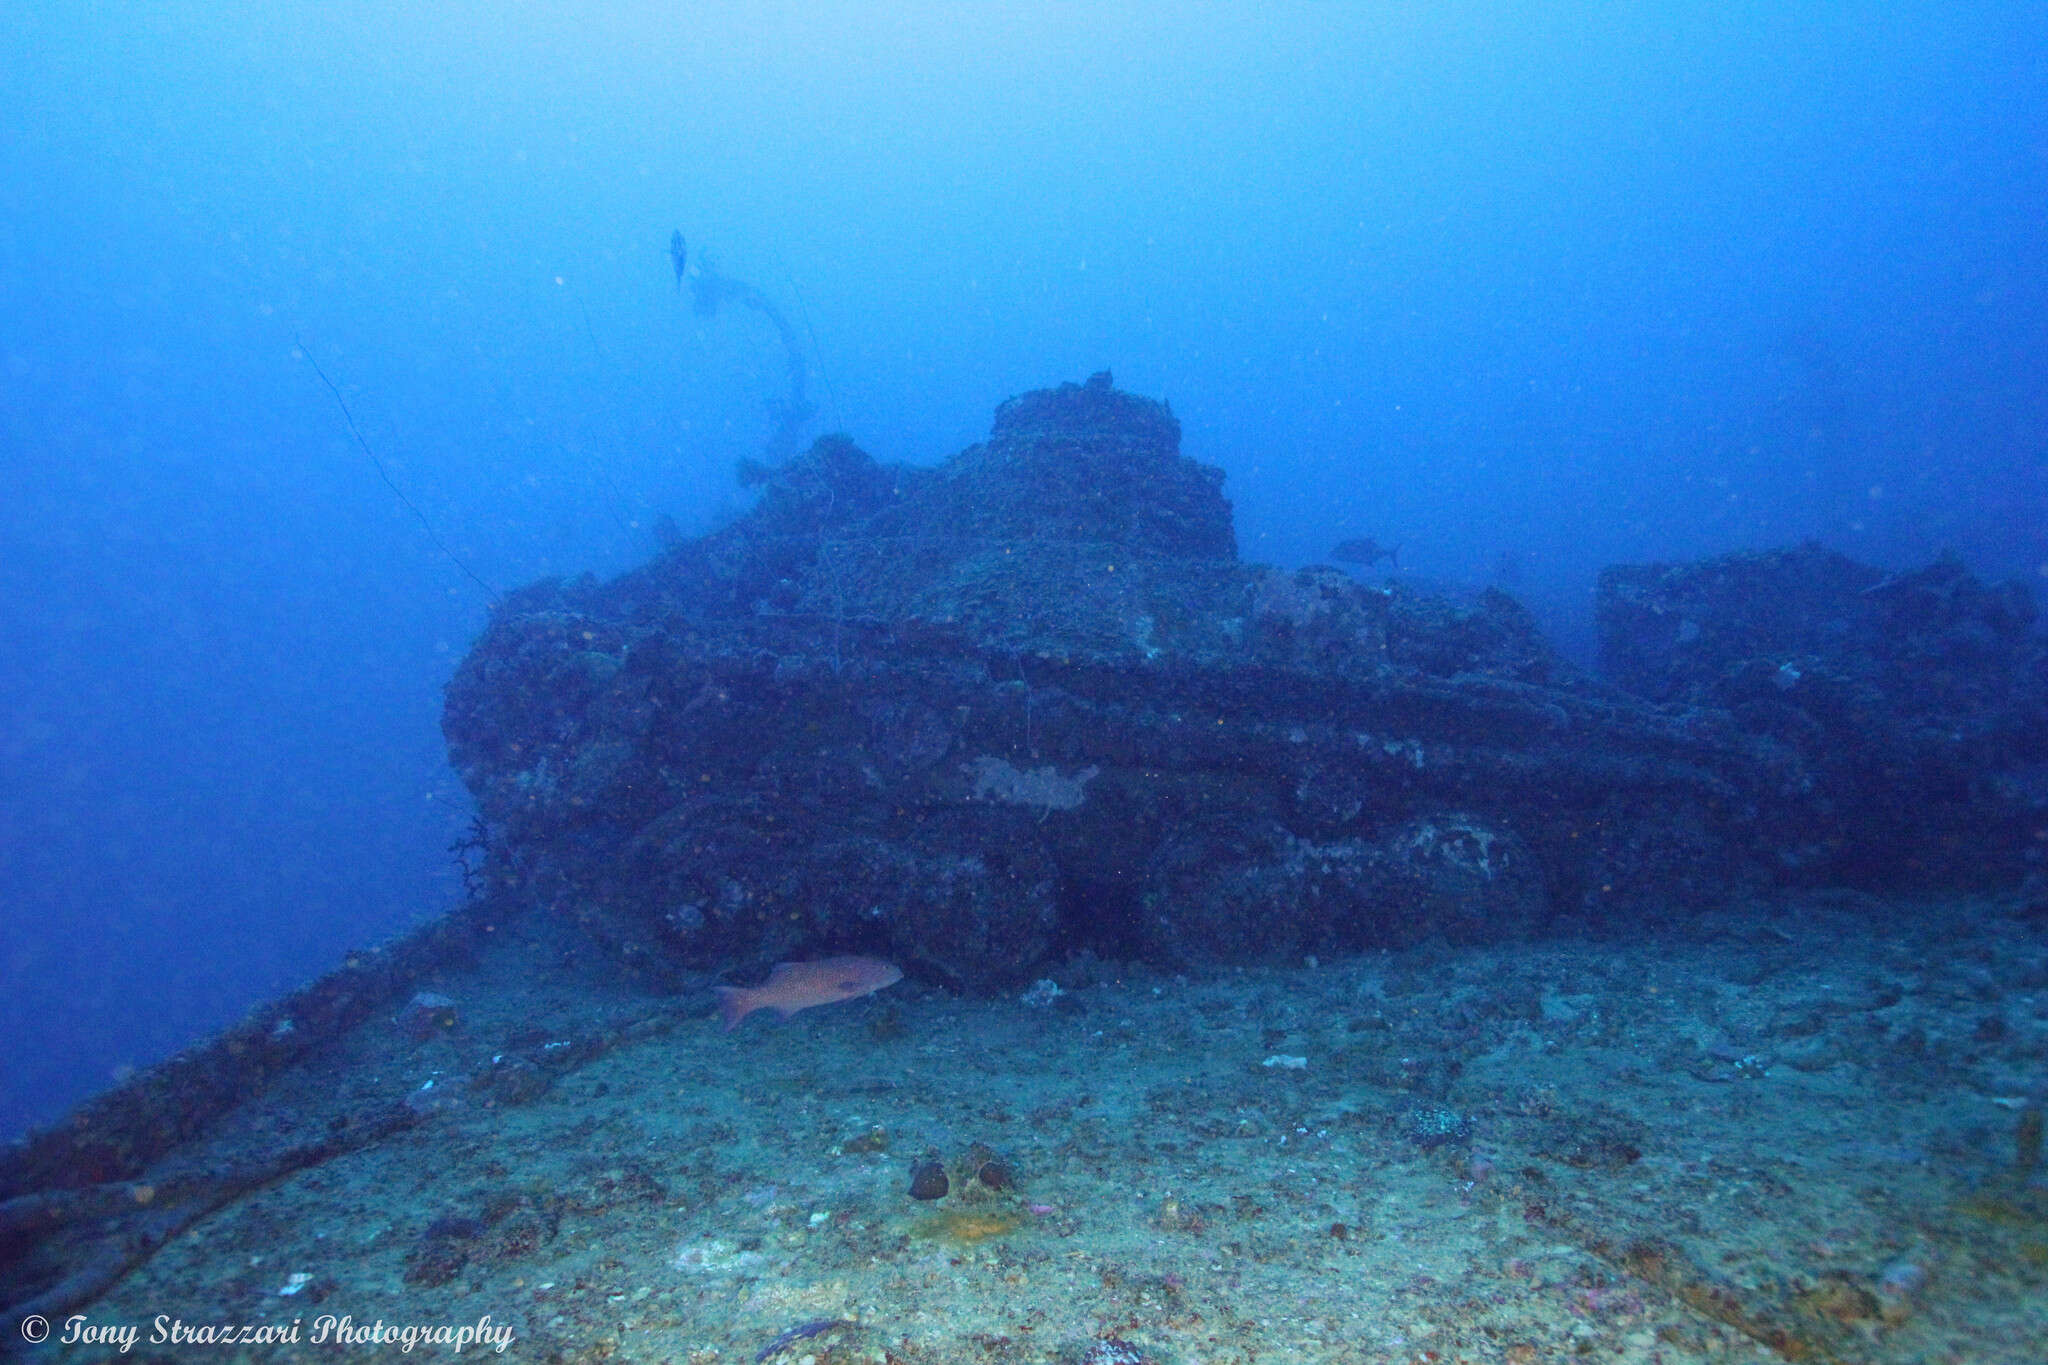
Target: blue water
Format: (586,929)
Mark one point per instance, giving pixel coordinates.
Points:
(1526,288)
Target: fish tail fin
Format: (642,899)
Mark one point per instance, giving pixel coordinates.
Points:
(733,1004)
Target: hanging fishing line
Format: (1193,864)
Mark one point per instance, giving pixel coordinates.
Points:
(385,475)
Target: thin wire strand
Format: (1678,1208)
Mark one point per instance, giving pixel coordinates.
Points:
(378,465)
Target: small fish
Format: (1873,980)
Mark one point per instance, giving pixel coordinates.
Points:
(803,1331)
(680,254)
(1367,551)
(794,986)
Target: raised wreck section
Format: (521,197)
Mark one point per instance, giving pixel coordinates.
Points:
(1916,704)
(1029,702)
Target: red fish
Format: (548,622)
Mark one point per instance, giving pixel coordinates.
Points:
(794,986)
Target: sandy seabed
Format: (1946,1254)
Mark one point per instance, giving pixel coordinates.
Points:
(1796,1131)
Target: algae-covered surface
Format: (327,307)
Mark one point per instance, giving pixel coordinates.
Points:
(1796,1131)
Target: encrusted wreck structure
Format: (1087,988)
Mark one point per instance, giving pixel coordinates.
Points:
(1030,702)
(986,717)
